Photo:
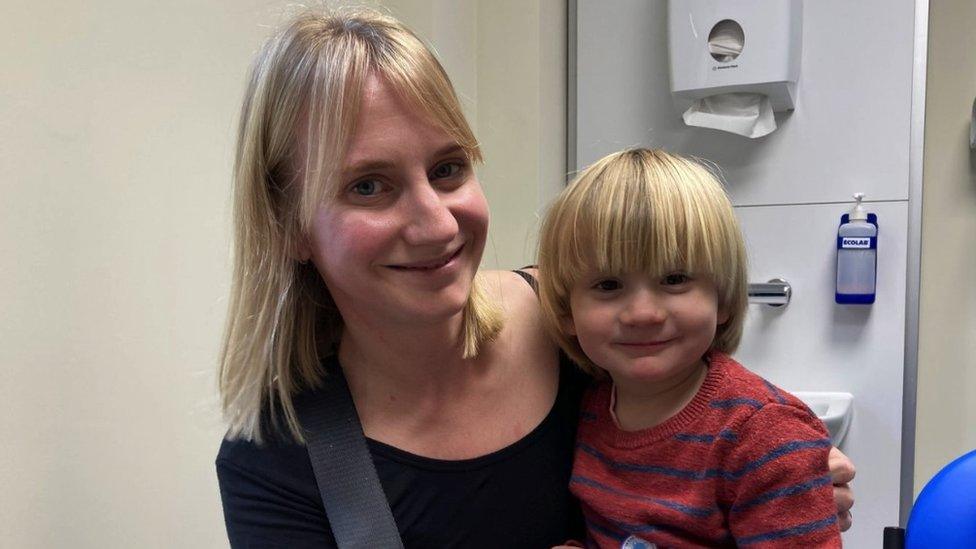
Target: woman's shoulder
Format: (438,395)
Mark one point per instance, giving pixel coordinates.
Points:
(277,465)
(517,299)
(278,456)
(523,347)
(511,288)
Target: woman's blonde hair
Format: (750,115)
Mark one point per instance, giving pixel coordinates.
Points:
(648,211)
(304,91)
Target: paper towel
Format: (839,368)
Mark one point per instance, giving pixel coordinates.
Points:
(725,41)
(748,114)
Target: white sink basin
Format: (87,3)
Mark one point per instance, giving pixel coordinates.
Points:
(834,409)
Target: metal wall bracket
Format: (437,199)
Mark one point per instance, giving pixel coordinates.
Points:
(775,293)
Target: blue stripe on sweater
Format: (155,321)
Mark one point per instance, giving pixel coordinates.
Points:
(633,528)
(785,449)
(797,530)
(625,530)
(772,389)
(733,402)
(783,492)
(687,437)
(725,434)
(639,529)
(605,531)
(697,512)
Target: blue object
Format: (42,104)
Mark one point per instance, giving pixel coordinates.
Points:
(634,542)
(944,515)
(857,257)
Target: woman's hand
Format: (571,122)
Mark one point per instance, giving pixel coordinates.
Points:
(841,473)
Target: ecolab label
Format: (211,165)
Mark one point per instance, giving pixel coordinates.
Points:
(855,242)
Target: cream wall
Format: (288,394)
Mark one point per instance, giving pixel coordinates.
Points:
(116,124)
(946,407)
(521,119)
(116,135)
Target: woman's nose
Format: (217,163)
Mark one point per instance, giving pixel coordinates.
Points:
(429,217)
(643,307)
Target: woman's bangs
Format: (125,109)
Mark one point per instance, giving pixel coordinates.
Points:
(419,78)
(332,112)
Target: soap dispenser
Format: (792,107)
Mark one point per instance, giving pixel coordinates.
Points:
(857,255)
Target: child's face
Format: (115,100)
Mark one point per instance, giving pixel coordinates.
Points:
(644,330)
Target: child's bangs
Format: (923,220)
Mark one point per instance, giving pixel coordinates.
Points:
(628,220)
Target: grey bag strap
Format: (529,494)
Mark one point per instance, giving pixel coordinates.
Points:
(355,504)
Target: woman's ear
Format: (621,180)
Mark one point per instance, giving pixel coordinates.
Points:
(567,325)
(301,250)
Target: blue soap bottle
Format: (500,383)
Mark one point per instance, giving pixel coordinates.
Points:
(857,255)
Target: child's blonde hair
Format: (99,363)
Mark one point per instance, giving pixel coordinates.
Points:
(301,103)
(648,211)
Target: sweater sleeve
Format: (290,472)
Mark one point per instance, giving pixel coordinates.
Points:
(779,482)
(265,502)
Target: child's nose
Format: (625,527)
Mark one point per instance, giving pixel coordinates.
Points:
(643,308)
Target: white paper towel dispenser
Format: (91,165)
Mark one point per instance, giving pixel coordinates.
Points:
(737,55)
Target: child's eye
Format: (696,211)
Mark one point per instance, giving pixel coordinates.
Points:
(675,279)
(607,285)
(447,169)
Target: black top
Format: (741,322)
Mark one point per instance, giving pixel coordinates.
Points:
(515,497)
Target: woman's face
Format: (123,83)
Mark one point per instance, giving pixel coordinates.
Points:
(403,239)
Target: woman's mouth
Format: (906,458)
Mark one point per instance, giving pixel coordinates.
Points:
(429,264)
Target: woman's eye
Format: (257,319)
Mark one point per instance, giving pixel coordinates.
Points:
(607,285)
(675,279)
(366,187)
(447,169)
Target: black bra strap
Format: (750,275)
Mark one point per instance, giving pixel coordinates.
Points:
(528,278)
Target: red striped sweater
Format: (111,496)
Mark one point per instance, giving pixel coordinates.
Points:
(743,464)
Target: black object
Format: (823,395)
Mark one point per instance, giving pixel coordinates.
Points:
(529,278)
(354,501)
(894,538)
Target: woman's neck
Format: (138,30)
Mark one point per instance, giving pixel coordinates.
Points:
(394,359)
(410,383)
(639,408)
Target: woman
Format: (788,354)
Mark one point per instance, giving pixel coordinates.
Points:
(359,229)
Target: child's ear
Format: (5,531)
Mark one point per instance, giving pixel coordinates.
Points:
(567,325)
(723,317)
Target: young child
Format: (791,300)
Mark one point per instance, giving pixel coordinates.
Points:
(642,275)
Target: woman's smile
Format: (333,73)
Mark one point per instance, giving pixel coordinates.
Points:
(439,263)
